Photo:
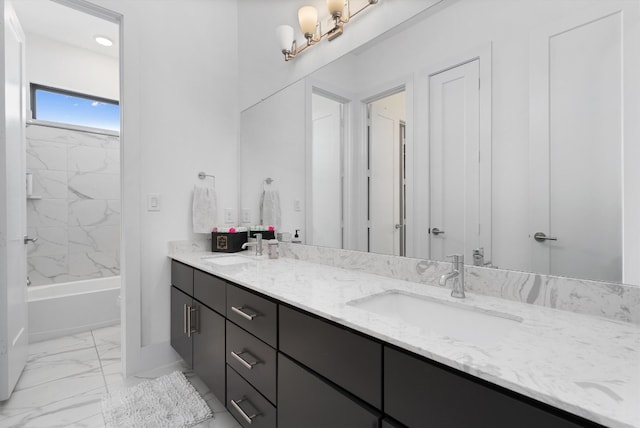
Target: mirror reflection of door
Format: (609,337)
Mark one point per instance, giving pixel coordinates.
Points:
(454,136)
(386,175)
(577,149)
(327,171)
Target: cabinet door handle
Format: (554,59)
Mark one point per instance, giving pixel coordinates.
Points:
(247,364)
(184,318)
(190,311)
(241,311)
(248,418)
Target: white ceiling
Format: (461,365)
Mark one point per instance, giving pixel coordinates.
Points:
(64,24)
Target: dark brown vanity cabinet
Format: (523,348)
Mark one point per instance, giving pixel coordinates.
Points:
(419,393)
(197,331)
(278,366)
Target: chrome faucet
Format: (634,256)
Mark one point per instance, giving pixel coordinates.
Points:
(457,273)
(257,243)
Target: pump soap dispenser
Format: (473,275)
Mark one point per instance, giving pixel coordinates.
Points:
(296,238)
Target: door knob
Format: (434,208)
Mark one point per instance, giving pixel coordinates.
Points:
(27,239)
(436,231)
(541,237)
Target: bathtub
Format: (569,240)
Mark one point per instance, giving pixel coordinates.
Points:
(72,307)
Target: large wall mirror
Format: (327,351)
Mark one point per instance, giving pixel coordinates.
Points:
(503,130)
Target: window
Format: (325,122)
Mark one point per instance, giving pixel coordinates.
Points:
(72,108)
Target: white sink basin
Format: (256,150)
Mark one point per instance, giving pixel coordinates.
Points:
(449,319)
(227,260)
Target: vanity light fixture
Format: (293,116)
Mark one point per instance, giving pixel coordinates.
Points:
(340,11)
(103,40)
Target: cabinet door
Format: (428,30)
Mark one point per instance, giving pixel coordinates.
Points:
(180,303)
(418,393)
(208,349)
(305,400)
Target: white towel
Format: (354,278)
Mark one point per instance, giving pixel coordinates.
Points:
(205,209)
(270,208)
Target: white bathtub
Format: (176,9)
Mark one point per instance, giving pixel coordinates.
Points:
(72,307)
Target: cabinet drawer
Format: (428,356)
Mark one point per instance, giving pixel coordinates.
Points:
(417,392)
(255,314)
(182,277)
(210,290)
(253,359)
(247,405)
(305,400)
(346,358)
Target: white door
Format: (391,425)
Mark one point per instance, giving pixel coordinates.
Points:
(576,149)
(386,117)
(454,174)
(326,172)
(13,265)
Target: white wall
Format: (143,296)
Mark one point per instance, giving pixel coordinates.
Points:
(263,70)
(63,66)
(180,117)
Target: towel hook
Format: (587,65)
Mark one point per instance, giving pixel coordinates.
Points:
(269,180)
(202,176)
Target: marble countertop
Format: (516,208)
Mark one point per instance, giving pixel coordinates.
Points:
(586,365)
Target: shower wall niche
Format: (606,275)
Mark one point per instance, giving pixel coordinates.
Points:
(74,209)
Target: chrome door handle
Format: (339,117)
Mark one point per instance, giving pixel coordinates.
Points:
(541,237)
(436,231)
(27,239)
(247,364)
(399,226)
(236,405)
(241,311)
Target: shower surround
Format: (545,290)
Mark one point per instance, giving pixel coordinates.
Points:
(75,208)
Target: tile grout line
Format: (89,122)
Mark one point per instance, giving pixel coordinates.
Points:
(95,346)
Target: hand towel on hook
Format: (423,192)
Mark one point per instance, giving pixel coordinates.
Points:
(270,214)
(205,209)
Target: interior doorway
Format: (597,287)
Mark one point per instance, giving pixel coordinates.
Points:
(386,174)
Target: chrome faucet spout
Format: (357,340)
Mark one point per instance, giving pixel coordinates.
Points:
(257,243)
(457,274)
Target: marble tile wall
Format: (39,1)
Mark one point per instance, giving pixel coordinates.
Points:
(76,176)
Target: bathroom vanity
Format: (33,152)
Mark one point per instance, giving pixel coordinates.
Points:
(289,343)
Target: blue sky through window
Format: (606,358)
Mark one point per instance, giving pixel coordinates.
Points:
(76,110)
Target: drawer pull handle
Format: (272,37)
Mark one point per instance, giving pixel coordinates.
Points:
(242,361)
(248,418)
(241,311)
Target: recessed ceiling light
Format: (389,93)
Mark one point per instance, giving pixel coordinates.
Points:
(103,40)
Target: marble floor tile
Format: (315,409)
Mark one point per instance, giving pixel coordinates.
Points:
(65,379)
(60,365)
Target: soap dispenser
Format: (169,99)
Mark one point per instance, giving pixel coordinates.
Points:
(296,238)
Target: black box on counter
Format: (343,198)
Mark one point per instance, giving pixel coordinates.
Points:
(266,234)
(222,242)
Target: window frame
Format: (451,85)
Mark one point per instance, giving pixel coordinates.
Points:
(33,87)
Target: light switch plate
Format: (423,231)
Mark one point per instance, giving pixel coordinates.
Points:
(228,215)
(153,201)
(246,215)
(297,206)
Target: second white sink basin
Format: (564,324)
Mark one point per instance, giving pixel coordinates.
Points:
(457,321)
